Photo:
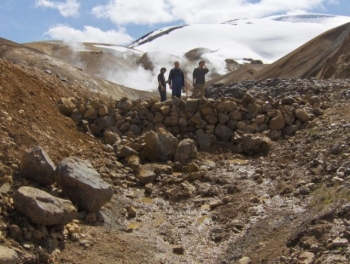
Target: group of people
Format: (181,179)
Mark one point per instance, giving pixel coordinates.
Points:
(176,81)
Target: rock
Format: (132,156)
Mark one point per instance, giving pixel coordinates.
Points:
(160,146)
(191,105)
(229,106)
(15,232)
(8,256)
(253,144)
(306,258)
(178,249)
(83,184)
(158,117)
(192,167)
(110,137)
(315,101)
(136,130)
(146,174)
(43,208)
(105,121)
(66,106)
(90,113)
(133,162)
(127,151)
(204,142)
(215,203)
(223,118)
(103,111)
(340,242)
(171,121)
(149,188)
(186,151)
(244,260)
(197,118)
(302,115)
(235,115)
(132,211)
(223,133)
(36,165)
(277,123)
(91,218)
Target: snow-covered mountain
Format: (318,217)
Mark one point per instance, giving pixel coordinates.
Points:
(221,45)
(266,39)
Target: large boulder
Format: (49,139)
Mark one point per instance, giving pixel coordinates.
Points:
(83,184)
(36,165)
(160,145)
(8,256)
(253,144)
(186,151)
(43,208)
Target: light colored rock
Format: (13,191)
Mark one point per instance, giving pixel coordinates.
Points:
(36,165)
(160,145)
(43,208)
(145,173)
(83,184)
(186,151)
(306,258)
(8,256)
(245,260)
(252,144)
(340,242)
(66,105)
(302,115)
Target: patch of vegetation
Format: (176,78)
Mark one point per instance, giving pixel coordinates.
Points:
(324,197)
(314,133)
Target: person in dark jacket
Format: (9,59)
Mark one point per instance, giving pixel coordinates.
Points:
(162,85)
(176,80)
(199,79)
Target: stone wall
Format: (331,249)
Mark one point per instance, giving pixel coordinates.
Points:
(206,121)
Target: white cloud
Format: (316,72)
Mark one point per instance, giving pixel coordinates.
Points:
(135,11)
(69,8)
(199,11)
(89,34)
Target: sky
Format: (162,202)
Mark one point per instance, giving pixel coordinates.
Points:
(122,21)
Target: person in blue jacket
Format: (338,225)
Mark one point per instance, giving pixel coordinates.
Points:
(176,80)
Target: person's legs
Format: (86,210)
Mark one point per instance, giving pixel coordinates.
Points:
(195,91)
(162,96)
(202,89)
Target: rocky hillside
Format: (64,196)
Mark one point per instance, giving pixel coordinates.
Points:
(256,173)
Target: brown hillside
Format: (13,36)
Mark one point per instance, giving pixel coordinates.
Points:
(321,57)
(64,71)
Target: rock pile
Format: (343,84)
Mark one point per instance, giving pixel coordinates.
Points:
(151,128)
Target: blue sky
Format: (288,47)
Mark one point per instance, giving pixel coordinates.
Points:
(122,21)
